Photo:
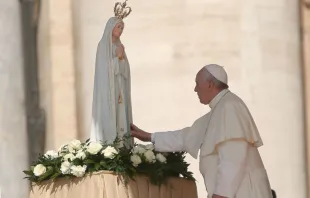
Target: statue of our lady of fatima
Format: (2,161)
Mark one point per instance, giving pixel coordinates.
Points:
(111,108)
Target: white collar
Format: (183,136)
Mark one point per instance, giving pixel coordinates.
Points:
(217,98)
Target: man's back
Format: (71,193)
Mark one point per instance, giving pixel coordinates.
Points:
(229,159)
(255,183)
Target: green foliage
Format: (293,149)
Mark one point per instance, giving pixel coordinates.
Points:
(76,159)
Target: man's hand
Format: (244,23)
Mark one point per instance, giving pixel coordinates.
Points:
(140,134)
(217,196)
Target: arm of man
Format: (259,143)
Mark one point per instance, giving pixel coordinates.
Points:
(231,168)
(188,139)
(170,141)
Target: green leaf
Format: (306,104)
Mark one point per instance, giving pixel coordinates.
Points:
(28,172)
(55,175)
(97,166)
(103,163)
(89,161)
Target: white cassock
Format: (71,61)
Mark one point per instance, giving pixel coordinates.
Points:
(228,140)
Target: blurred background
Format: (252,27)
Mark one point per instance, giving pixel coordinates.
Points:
(47,59)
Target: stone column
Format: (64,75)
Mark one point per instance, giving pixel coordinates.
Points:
(13,135)
(57,71)
(305,35)
(89,24)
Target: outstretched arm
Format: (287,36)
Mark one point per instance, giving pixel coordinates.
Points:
(170,141)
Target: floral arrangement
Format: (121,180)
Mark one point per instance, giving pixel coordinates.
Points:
(77,159)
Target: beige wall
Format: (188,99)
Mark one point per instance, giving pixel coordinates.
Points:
(167,42)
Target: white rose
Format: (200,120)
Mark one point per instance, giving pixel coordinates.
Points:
(74,146)
(149,147)
(149,156)
(65,167)
(78,171)
(94,148)
(62,148)
(39,170)
(161,158)
(136,160)
(109,152)
(69,156)
(138,149)
(81,155)
(61,154)
(51,154)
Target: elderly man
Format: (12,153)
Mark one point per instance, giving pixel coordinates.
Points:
(227,138)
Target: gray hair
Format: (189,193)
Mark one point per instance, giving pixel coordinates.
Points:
(209,77)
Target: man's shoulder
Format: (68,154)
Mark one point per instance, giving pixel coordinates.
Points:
(232,99)
(234,103)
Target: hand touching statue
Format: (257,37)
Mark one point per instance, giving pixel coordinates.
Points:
(140,134)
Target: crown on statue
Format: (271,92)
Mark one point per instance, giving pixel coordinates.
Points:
(121,10)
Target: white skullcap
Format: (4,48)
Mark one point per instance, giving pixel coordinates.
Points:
(217,72)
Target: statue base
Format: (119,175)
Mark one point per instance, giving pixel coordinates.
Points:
(106,184)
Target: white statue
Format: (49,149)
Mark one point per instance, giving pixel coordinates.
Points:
(111,110)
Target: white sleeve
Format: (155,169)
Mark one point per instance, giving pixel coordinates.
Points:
(170,141)
(153,138)
(231,168)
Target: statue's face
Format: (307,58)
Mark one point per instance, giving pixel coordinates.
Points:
(118,30)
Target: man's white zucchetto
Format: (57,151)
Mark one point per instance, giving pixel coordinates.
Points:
(217,72)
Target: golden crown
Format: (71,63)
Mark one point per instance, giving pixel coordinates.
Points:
(121,10)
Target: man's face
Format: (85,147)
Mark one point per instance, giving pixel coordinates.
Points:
(203,88)
(118,29)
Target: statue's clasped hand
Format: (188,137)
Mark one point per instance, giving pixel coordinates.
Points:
(120,50)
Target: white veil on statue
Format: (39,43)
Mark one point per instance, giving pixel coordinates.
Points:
(110,118)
